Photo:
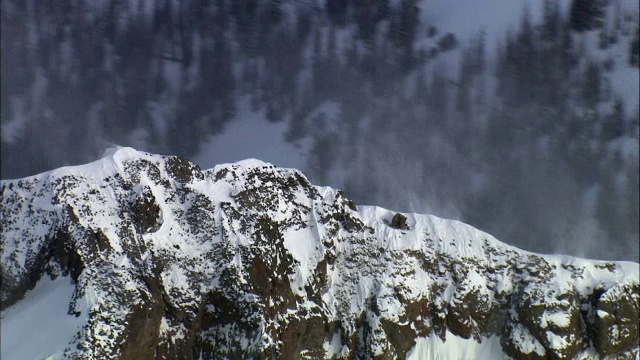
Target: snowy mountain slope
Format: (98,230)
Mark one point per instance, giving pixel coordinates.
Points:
(247,260)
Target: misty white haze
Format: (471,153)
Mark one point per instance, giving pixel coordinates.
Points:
(518,120)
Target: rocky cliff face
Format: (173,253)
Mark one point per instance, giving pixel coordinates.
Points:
(248,260)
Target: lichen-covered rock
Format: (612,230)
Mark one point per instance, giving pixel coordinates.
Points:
(248,260)
(555,323)
(617,319)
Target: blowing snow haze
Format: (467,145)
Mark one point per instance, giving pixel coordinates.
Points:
(520,118)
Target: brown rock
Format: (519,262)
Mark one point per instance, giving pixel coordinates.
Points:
(616,322)
(399,221)
(182,170)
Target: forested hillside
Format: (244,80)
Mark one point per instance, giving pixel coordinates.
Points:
(531,135)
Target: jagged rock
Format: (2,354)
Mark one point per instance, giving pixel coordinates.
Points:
(401,337)
(146,212)
(252,261)
(182,170)
(617,315)
(399,221)
(352,205)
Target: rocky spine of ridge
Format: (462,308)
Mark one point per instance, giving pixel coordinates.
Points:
(248,260)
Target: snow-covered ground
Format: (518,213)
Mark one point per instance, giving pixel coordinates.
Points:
(39,326)
(454,347)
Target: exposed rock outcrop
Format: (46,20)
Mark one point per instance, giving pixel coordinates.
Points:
(251,261)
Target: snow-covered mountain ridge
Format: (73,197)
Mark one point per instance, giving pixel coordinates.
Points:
(247,260)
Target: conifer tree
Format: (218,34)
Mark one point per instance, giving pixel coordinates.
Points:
(550,21)
(438,97)
(463,101)
(614,125)
(586,15)
(634,49)
(592,86)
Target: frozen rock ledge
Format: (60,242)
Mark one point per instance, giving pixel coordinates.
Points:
(247,260)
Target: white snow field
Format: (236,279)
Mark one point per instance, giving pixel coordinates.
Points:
(39,326)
